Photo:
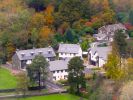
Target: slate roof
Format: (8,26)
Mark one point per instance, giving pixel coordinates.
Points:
(63,65)
(58,65)
(27,54)
(69,48)
(102,51)
(112,28)
(109,30)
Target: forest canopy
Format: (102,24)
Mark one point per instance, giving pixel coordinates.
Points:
(26,24)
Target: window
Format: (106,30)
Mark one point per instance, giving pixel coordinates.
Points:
(53,72)
(66,70)
(65,76)
(57,71)
(61,53)
(62,71)
(54,78)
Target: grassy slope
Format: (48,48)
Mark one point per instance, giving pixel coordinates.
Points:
(7,80)
(54,97)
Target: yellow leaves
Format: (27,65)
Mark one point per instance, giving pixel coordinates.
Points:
(43,21)
(49,10)
(10,50)
(45,32)
(10,6)
(49,15)
(130,62)
(38,20)
(105,4)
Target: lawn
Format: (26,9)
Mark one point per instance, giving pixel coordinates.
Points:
(7,80)
(54,97)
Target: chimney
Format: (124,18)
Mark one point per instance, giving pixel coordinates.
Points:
(78,44)
(49,46)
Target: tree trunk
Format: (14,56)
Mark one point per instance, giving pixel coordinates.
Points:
(39,75)
(78,88)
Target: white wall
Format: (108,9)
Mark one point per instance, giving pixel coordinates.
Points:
(70,55)
(59,75)
(101,62)
(94,58)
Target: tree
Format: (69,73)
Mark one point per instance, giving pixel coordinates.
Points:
(69,35)
(113,67)
(130,68)
(85,45)
(120,42)
(72,10)
(76,76)
(131,17)
(108,16)
(38,5)
(38,70)
(22,83)
(4,39)
(34,37)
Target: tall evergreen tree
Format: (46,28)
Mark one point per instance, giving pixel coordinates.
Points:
(76,76)
(120,42)
(38,5)
(131,17)
(73,10)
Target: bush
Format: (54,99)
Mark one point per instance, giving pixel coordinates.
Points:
(63,82)
(131,34)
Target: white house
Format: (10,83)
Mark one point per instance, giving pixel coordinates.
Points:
(97,56)
(69,51)
(59,69)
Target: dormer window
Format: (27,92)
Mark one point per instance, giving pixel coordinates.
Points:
(22,54)
(32,53)
(40,52)
(49,51)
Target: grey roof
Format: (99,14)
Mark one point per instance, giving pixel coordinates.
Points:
(63,65)
(58,65)
(69,48)
(102,51)
(112,28)
(28,53)
(109,30)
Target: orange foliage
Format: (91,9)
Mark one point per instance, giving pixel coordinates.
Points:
(45,32)
(105,4)
(93,20)
(48,15)
(38,20)
(128,26)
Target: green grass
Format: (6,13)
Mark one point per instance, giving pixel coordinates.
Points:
(53,97)
(7,80)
